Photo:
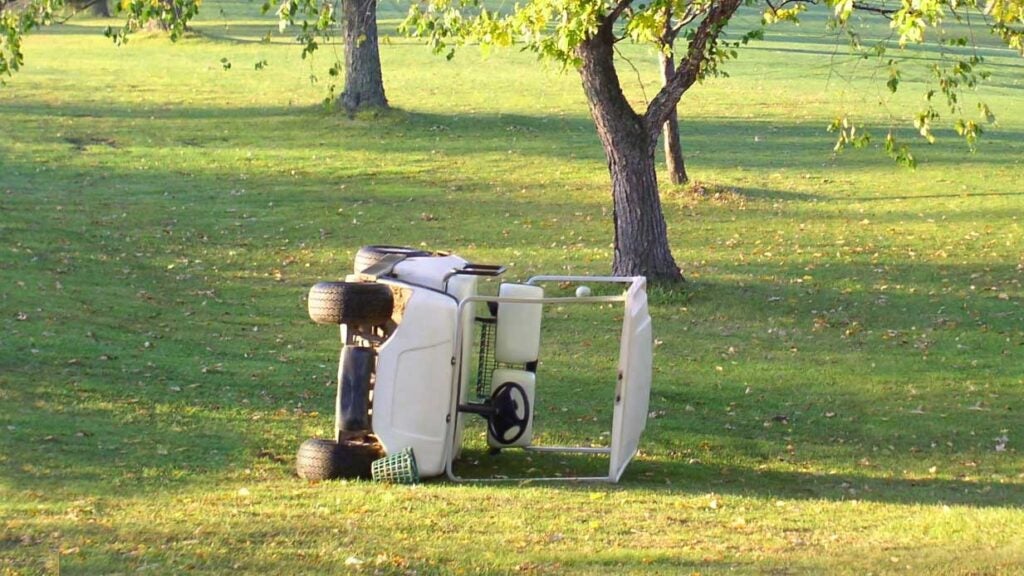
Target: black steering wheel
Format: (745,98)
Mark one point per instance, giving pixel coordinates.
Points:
(511,413)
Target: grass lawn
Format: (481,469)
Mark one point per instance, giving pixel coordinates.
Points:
(838,388)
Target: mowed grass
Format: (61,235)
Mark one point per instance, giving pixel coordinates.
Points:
(837,387)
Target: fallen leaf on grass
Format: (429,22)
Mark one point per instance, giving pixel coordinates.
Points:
(1001,443)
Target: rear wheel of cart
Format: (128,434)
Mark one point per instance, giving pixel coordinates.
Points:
(369,255)
(350,303)
(322,459)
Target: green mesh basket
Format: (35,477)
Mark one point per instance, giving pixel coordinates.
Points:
(398,468)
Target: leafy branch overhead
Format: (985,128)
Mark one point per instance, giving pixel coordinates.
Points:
(555,30)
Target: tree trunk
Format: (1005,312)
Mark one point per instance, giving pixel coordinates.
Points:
(670,132)
(95,7)
(364,84)
(641,236)
(159,25)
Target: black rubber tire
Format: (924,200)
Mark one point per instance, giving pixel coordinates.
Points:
(350,303)
(321,459)
(369,255)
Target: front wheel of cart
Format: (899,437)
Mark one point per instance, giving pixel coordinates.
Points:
(321,459)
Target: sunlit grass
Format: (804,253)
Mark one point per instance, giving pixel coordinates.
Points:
(832,387)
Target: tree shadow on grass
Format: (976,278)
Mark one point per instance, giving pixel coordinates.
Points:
(165,234)
(78,443)
(838,487)
(710,143)
(931,196)
(772,194)
(784,428)
(666,474)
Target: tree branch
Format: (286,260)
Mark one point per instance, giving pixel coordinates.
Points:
(667,36)
(639,79)
(76,10)
(612,16)
(784,3)
(874,9)
(671,31)
(689,68)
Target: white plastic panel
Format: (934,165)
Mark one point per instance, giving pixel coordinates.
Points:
(517,336)
(414,378)
(528,380)
(632,394)
(429,271)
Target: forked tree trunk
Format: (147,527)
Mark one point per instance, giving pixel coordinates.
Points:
(670,132)
(641,237)
(630,140)
(364,83)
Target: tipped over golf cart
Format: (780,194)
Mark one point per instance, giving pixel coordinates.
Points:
(422,351)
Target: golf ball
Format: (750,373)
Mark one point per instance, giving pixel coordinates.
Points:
(583,292)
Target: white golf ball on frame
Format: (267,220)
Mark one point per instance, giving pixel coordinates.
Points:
(582,291)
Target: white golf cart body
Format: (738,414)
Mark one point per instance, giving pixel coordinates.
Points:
(422,381)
